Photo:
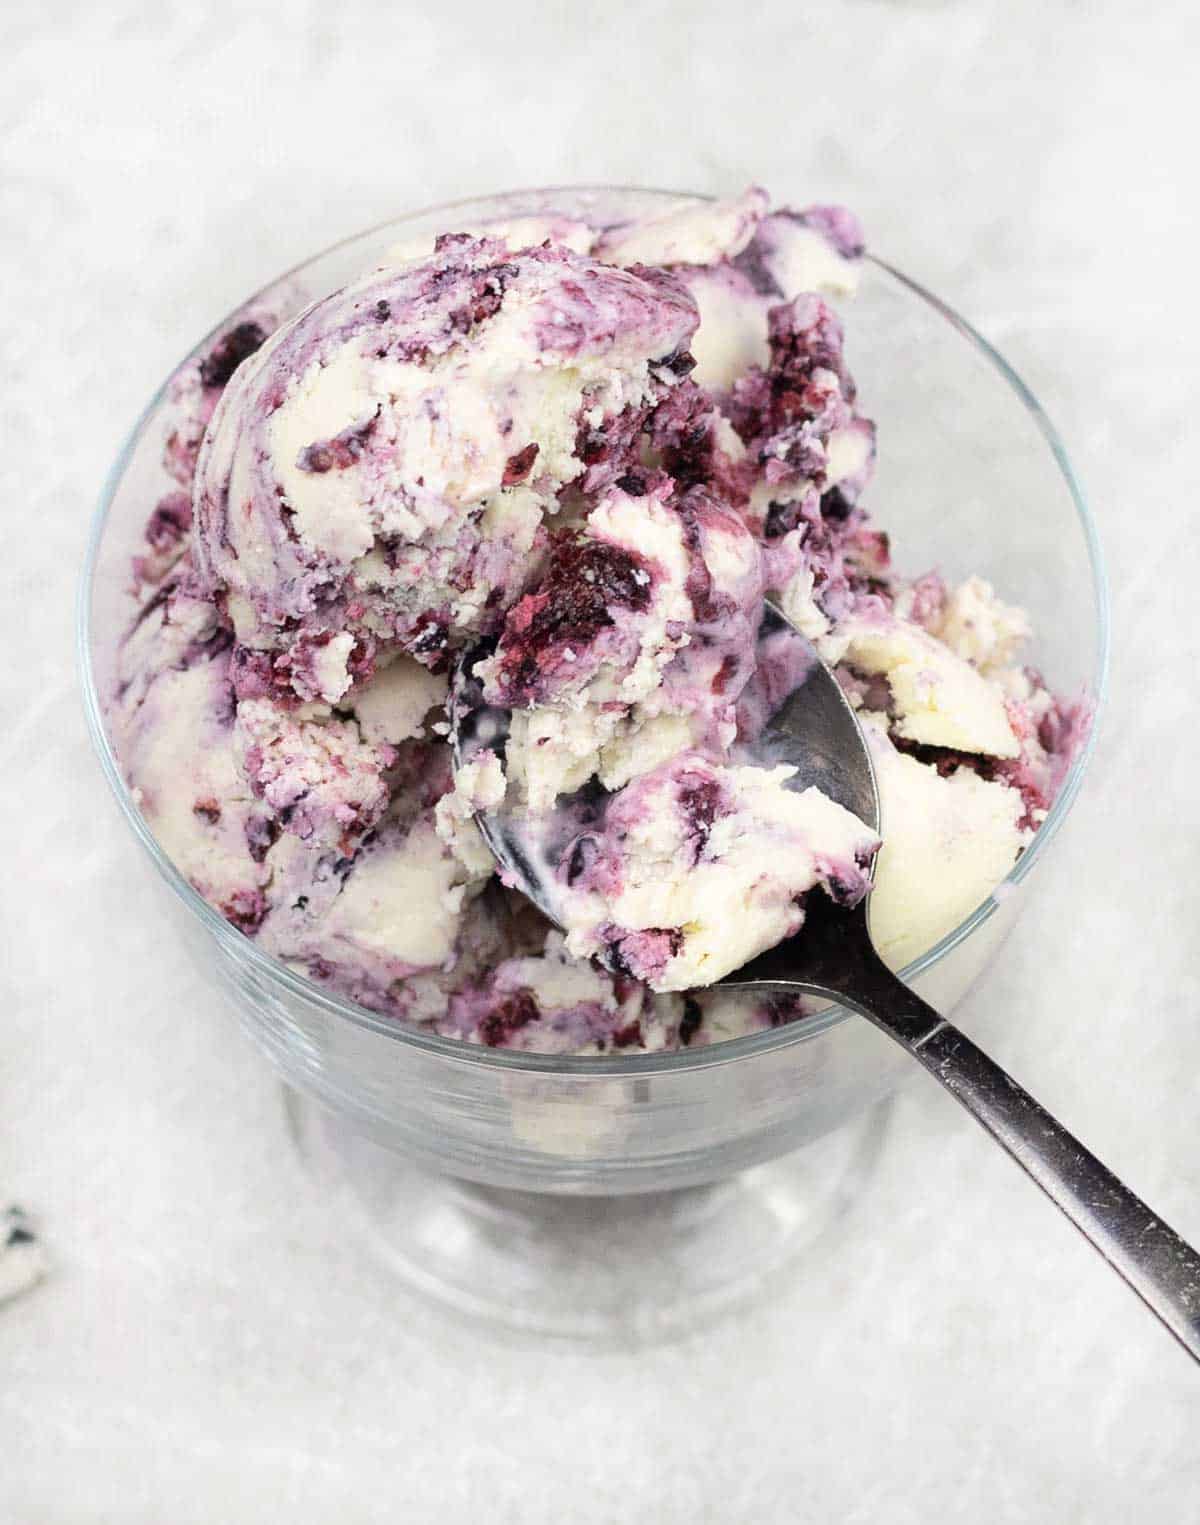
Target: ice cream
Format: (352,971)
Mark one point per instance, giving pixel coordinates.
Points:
(700,866)
(596,450)
(376,474)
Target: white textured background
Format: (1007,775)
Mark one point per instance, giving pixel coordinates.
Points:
(209,1348)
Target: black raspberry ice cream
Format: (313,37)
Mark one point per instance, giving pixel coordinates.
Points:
(597,450)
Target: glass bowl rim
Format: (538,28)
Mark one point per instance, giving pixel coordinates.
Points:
(456,1050)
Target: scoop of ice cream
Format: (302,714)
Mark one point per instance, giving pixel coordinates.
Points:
(375,475)
(697,867)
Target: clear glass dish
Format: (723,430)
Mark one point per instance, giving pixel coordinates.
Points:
(459,1158)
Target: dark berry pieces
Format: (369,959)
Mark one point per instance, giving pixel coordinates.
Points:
(781,519)
(261,836)
(237,345)
(585,580)
(611,448)
(946,760)
(429,642)
(681,363)
(642,954)
(256,675)
(581,858)
(681,430)
(518,466)
(245,909)
(340,452)
(507,1017)
(835,505)
(689,1023)
(752,263)
(169,522)
(700,800)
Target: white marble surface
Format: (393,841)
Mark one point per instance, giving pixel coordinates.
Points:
(208,1346)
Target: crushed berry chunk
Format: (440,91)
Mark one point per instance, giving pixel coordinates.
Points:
(643,954)
(689,1023)
(169,522)
(485,296)
(609,449)
(681,363)
(946,760)
(585,580)
(681,430)
(518,466)
(781,519)
(340,452)
(237,345)
(835,505)
(700,803)
(262,835)
(509,1016)
(257,675)
(245,909)
(430,641)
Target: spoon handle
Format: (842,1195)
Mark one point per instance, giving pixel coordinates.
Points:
(1162,1268)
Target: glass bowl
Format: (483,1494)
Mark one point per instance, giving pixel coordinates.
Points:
(635,1194)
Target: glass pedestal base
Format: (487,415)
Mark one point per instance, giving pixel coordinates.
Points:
(628,1269)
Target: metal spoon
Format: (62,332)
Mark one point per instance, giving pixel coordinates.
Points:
(834,957)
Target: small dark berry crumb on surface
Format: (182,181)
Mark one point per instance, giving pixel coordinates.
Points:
(22,1259)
